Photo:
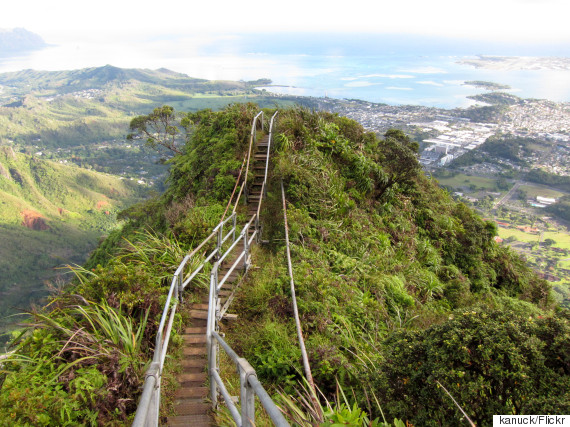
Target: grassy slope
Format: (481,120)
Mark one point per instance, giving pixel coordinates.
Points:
(77,205)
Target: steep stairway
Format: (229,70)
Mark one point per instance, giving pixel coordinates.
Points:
(259,160)
(191,405)
(191,399)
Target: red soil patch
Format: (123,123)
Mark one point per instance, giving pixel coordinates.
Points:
(33,220)
(101,203)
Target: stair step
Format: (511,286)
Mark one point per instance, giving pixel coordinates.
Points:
(200,306)
(190,407)
(224,293)
(194,339)
(190,420)
(194,330)
(191,392)
(194,363)
(194,351)
(198,377)
(198,314)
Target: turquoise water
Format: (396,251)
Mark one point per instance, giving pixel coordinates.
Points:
(419,80)
(392,70)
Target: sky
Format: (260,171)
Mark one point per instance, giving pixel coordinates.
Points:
(521,21)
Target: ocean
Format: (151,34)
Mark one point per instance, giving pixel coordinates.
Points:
(386,69)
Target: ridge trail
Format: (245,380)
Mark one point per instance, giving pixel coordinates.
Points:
(191,399)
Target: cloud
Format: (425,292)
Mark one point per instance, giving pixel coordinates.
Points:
(398,88)
(425,70)
(388,76)
(363,83)
(430,82)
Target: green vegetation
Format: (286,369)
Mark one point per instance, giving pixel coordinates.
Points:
(561,208)
(497,98)
(542,177)
(83,115)
(487,85)
(50,215)
(497,149)
(400,289)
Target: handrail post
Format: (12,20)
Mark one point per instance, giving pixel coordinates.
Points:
(210,342)
(179,285)
(219,243)
(234,227)
(245,247)
(258,228)
(247,395)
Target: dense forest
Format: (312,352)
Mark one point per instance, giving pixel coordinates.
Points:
(404,297)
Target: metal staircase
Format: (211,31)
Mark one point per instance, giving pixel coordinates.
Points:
(230,261)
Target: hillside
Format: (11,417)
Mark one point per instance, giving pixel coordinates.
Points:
(399,288)
(51,214)
(82,115)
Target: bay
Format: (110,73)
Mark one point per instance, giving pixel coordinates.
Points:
(391,70)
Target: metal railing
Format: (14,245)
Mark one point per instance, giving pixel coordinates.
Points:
(249,384)
(148,409)
(252,139)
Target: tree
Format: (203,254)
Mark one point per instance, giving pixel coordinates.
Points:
(400,160)
(161,128)
(549,242)
(501,362)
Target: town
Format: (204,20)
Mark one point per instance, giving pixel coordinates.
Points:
(448,134)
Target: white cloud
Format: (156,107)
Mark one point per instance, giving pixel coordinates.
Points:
(398,88)
(425,70)
(388,76)
(363,83)
(429,82)
(454,82)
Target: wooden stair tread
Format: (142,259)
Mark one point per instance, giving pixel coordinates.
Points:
(194,351)
(191,407)
(195,330)
(191,392)
(192,377)
(190,420)
(194,339)
(199,314)
(194,363)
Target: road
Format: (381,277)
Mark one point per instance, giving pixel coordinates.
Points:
(508,195)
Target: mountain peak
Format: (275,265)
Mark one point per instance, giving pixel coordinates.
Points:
(14,40)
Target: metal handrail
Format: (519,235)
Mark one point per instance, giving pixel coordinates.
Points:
(147,412)
(264,185)
(249,385)
(252,138)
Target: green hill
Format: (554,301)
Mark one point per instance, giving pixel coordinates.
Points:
(51,214)
(400,289)
(83,115)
